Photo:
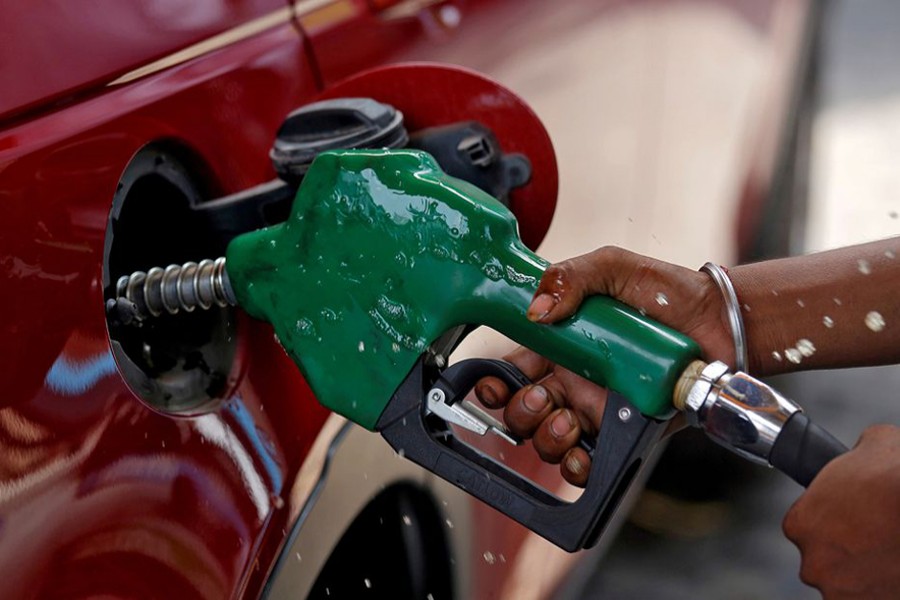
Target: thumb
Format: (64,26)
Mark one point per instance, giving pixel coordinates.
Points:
(605,271)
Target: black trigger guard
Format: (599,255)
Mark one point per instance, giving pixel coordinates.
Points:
(625,440)
(458,379)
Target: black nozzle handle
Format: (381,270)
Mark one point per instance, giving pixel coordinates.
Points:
(803,448)
(623,443)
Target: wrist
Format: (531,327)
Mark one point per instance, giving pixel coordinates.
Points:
(764,337)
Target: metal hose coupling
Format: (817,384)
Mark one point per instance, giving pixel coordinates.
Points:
(736,410)
(175,288)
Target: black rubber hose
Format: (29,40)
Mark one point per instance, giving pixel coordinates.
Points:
(803,449)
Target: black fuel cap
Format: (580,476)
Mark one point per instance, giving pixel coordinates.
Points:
(342,123)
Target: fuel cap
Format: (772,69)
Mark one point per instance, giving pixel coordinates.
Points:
(341,123)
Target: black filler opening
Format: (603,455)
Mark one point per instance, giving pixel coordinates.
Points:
(175,363)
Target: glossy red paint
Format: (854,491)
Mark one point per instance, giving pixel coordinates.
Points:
(99,494)
(348,36)
(57,50)
(433,94)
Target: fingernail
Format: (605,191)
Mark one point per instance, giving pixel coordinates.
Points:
(541,307)
(487,395)
(562,424)
(535,399)
(574,465)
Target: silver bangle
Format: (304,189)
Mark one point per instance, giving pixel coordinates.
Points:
(733,309)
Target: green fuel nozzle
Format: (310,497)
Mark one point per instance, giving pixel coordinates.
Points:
(383,253)
(384,263)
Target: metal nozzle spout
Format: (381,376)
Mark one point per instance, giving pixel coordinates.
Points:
(173,289)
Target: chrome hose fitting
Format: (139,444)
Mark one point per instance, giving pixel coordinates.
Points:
(175,288)
(736,410)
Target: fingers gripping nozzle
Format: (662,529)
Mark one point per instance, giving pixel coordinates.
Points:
(171,290)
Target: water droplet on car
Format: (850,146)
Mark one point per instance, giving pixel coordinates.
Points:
(864,267)
(407,521)
(299,558)
(489,557)
(837,301)
(362,346)
(449,523)
(801,303)
(502,558)
(827,321)
(368,583)
(395,347)
(875,321)
(662,299)
(890,254)
(793,355)
(893,214)
(806,347)
(776,355)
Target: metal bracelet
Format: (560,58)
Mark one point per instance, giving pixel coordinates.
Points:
(720,277)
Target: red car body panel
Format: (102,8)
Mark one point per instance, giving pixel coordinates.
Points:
(100,494)
(348,36)
(53,51)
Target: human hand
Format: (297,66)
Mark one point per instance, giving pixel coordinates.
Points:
(561,405)
(847,523)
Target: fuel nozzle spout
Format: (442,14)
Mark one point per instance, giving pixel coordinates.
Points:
(754,420)
(171,290)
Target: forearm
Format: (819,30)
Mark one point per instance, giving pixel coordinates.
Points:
(845,302)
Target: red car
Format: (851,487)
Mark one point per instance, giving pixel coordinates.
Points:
(189,459)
